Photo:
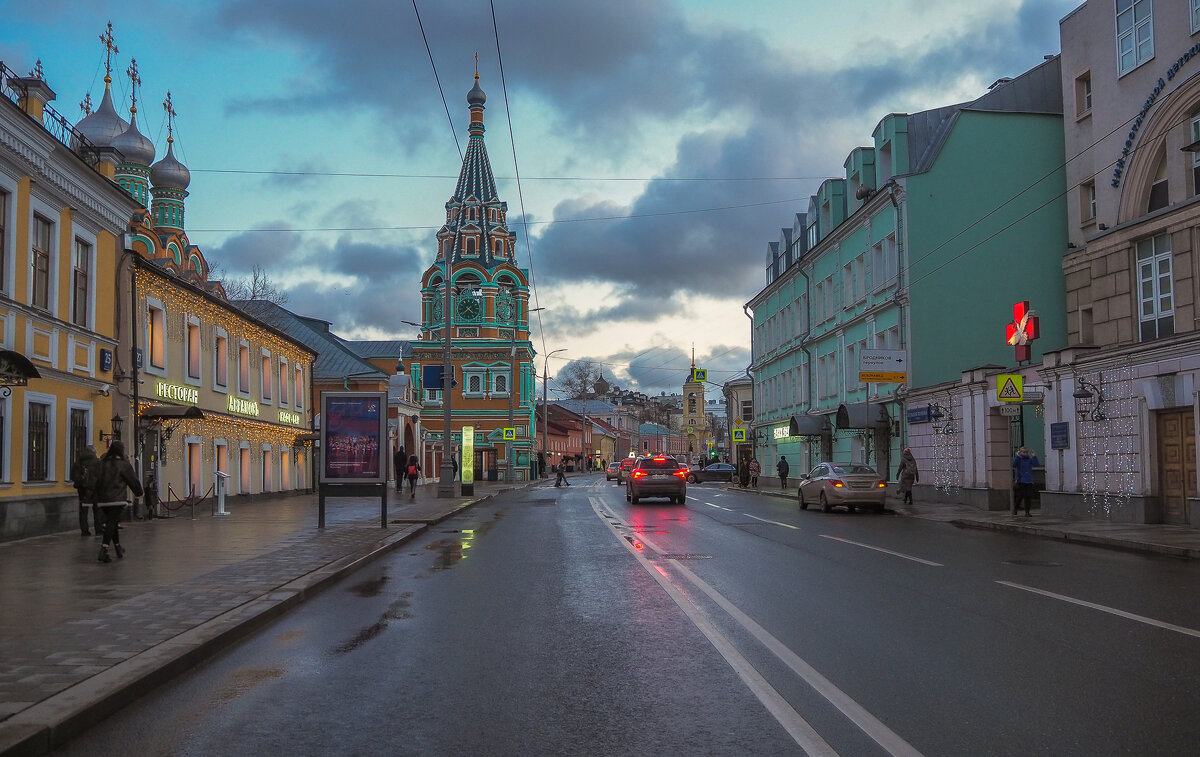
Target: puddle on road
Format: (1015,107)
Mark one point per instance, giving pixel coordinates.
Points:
(451,552)
(398,610)
(244,680)
(370,587)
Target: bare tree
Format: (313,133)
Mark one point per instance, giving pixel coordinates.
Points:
(257,287)
(578,380)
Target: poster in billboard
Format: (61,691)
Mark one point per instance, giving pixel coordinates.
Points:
(353,437)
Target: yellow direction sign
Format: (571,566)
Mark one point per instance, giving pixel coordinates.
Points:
(1010,387)
(510,434)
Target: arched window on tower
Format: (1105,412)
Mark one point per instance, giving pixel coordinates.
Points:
(499,248)
(470,246)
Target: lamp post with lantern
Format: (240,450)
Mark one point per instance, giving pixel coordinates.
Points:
(545,406)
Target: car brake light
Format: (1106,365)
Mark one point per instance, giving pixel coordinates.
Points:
(659,459)
(882,484)
(681,472)
(638,473)
(836,483)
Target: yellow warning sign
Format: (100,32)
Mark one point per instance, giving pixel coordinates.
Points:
(1010,387)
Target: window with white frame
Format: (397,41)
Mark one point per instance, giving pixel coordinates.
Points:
(283,381)
(42,236)
(156,335)
(852,366)
(1155,288)
(823,386)
(1135,34)
(885,263)
(39,437)
(1083,94)
(473,382)
(1195,131)
(500,383)
(860,277)
(81,284)
(192,345)
(1194,12)
(220,358)
(4,236)
(1087,201)
(244,367)
(848,296)
(265,375)
(830,297)
(298,389)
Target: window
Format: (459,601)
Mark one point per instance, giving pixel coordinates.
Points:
(500,382)
(848,295)
(244,470)
(298,394)
(3,240)
(244,367)
(283,381)
(852,366)
(156,335)
(474,383)
(1135,34)
(1195,14)
(1195,128)
(264,375)
(1159,190)
(470,246)
(221,358)
(193,348)
(81,283)
(1083,94)
(1087,201)
(41,262)
(37,466)
(747,410)
(1157,312)
(860,277)
(80,435)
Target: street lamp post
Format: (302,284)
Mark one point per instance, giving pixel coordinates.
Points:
(512,386)
(446,473)
(545,406)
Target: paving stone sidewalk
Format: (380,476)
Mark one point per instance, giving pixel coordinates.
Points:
(79,638)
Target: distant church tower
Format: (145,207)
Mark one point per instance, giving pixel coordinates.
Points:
(491,354)
(695,420)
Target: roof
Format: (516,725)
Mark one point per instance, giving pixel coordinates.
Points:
(390,348)
(335,360)
(588,407)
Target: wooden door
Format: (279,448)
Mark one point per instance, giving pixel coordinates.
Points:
(1176,462)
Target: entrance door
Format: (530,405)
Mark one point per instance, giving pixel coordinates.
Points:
(1176,462)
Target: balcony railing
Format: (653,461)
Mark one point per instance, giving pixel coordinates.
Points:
(52,121)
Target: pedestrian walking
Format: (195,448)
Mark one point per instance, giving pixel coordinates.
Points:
(755,470)
(399,459)
(411,473)
(908,475)
(562,474)
(84,473)
(782,468)
(114,477)
(454,468)
(1023,465)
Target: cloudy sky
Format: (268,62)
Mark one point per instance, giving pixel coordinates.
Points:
(661,144)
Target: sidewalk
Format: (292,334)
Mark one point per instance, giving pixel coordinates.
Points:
(79,639)
(1176,541)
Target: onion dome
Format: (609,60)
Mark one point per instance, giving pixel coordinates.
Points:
(169,173)
(476,95)
(103,126)
(134,146)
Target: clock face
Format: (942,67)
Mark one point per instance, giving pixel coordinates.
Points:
(468,308)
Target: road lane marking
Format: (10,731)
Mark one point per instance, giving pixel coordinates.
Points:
(1103,608)
(773,522)
(805,736)
(710,504)
(881,549)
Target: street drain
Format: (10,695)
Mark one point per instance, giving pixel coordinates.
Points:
(1034,563)
(686,556)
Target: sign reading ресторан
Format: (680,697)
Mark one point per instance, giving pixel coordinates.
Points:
(243,407)
(188,394)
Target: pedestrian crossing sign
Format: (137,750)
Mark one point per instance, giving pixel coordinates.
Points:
(739,434)
(510,434)
(1010,387)
(699,375)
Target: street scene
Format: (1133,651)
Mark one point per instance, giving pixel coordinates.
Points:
(684,377)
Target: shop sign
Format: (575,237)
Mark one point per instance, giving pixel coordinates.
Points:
(286,416)
(781,432)
(243,407)
(177,393)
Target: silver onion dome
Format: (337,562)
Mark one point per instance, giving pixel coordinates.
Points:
(476,95)
(134,146)
(169,173)
(103,126)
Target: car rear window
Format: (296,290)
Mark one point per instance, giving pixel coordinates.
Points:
(668,463)
(853,468)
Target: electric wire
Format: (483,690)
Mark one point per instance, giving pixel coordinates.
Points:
(441,92)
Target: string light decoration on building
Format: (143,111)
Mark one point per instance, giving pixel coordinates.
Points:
(1108,440)
(947,450)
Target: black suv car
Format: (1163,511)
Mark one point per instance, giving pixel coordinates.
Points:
(657,476)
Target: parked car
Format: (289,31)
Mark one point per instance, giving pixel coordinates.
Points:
(623,470)
(848,485)
(713,472)
(658,476)
(613,471)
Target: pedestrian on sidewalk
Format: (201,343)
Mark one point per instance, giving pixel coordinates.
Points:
(454,466)
(399,459)
(782,468)
(84,474)
(1023,465)
(413,471)
(115,476)
(908,475)
(562,474)
(755,469)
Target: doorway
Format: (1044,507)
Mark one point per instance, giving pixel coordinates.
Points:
(1176,463)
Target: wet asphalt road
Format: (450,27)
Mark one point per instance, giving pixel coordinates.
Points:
(568,622)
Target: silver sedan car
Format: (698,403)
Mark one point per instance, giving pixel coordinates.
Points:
(848,485)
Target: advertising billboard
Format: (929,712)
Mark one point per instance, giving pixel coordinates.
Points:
(353,437)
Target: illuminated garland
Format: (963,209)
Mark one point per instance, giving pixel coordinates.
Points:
(1109,443)
(216,426)
(947,453)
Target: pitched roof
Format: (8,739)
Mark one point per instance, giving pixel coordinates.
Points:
(334,359)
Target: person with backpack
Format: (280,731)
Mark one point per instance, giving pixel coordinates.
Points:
(414,470)
(114,477)
(83,477)
(782,468)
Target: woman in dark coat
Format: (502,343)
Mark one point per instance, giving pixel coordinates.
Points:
(115,476)
(908,475)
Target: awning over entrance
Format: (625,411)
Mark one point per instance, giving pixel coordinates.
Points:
(173,412)
(863,415)
(15,369)
(809,425)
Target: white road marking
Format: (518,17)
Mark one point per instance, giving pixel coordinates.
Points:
(710,504)
(773,522)
(1103,608)
(881,549)
(797,727)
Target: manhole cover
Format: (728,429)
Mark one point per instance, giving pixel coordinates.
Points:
(1034,563)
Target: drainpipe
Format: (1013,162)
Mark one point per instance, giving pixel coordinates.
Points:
(901,391)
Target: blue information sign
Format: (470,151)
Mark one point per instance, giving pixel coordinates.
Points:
(918,414)
(1060,435)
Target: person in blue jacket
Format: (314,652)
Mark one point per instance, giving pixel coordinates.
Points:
(1023,465)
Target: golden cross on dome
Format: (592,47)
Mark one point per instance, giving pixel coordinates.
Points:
(107,39)
(38,72)
(86,104)
(477,66)
(135,81)
(170,109)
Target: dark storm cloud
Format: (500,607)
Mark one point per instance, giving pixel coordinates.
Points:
(271,250)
